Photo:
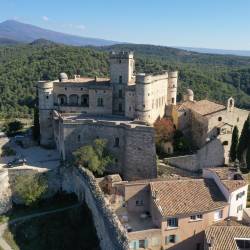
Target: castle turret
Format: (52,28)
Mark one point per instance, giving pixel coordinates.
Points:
(143,97)
(46,105)
(172,87)
(121,75)
(189,95)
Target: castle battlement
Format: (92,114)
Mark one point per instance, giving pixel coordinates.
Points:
(122,55)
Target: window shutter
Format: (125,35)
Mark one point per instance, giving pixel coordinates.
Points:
(166,240)
(146,243)
(176,238)
(137,244)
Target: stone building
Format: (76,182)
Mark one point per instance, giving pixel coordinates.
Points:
(209,126)
(175,213)
(121,109)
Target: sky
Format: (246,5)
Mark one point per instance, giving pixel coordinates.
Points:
(222,24)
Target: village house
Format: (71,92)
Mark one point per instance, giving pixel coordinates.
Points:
(174,213)
(227,235)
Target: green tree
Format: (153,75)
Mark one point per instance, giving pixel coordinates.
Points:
(30,188)
(180,144)
(234,144)
(94,157)
(244,142)
(13,127)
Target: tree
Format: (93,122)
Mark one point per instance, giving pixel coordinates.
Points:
(234,144)
(164,130)
(13,127)
(94,157)
(244,142)
(30,188)
(180,144)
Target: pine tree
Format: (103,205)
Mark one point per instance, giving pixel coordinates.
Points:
(234,144)
(244,142)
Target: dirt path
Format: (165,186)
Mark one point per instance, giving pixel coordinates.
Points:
(4,226)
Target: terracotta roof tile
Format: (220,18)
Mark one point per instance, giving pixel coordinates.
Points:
(223,237)
(203,107)
(176,197)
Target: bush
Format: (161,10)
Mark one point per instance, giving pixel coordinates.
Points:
(30,188)
(7,151)
(13,127)
(94,157)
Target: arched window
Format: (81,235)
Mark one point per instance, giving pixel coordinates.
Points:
(225,143)
(85,100)
(220,119)
(73,100)
(62,99)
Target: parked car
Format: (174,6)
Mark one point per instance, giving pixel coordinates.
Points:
(16,162)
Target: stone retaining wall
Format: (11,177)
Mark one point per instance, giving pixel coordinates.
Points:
(110,232)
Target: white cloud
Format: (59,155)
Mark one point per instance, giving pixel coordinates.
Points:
(45,18)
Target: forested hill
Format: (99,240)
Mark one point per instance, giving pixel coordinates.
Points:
(215,77)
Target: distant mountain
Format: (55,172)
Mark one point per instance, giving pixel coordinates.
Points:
(218,51)
(27,33)
(7,41)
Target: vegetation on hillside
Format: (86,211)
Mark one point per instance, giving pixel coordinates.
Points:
(214,77)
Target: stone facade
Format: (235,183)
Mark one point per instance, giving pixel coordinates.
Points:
(204,121)
(122,109)
(132,145)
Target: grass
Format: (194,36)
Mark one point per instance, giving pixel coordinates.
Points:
(58,201)
(66,230)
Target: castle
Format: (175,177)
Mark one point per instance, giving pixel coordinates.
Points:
(73,112)
(123,108)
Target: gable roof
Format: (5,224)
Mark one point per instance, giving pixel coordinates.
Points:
(222,236)
(203,107)
(179,197)
(225,174)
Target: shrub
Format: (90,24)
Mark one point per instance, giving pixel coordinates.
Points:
(30,188)
(94,157)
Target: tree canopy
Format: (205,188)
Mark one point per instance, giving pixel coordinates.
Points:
(94,157)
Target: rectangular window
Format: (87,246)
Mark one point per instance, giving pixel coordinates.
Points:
(139,203)
(170,239)
(218,215)
(196,217)
(239,208)
(99,102)
(120,79)
(120,93)
(141,243)
(172,222)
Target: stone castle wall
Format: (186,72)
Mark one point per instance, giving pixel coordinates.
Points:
(135,156)
(111,233)
(7,180)
(210,155)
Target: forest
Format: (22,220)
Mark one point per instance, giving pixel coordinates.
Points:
(215,77)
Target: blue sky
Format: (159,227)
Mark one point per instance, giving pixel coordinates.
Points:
(223,24)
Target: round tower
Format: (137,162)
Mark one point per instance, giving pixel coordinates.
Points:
(172,87)
(143,97)
(189,95)
(46,106)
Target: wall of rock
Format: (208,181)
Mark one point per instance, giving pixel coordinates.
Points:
(110,232)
